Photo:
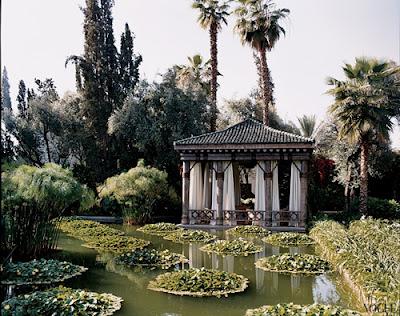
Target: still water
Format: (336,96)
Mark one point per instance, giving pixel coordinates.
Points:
(264,288)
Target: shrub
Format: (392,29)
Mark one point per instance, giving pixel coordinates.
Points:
(380,208)
(33,199)
(140,192)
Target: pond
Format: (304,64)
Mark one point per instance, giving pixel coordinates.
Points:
(265,287)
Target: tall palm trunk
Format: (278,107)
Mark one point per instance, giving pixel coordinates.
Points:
(214,74)
(364,177)
(265,79)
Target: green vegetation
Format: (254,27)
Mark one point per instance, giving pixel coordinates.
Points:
(288,239)
(294,309)
(159,229)
(248,231)
(33,199)
(199,283)
(189,236)
(118,244)
(150,258)
(39,272)
(368,252)
(238,247)
(297,263)
(139,192)
(61,301)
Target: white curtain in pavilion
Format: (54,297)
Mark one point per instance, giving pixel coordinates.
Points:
(206,187)
(228,201)
(275,187)
(259,204)
(196,187)
(214,187)
(294,196)
(236,177)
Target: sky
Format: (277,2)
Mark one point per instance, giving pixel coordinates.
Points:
(38,35)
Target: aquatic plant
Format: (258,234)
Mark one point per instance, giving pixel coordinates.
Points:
(294,309)
(61,301)
(248,231)
(238,247)
(296,263)
(150,258)
(159,229)
(288,239)
(117,244)
(88,230)
(368,253)
(188,236)
(199,282)
(39,272)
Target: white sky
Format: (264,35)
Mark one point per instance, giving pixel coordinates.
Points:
(37,36)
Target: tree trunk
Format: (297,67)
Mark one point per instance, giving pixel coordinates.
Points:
(214,75)
(46,140)
(265,85)
(364,177)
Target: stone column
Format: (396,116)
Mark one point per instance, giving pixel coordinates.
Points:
(220,193)
(268,193)
(303,193)
(185,192)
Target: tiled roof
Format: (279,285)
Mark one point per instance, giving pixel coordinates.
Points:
(249,131)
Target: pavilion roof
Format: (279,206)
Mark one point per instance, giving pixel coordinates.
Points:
(247,132)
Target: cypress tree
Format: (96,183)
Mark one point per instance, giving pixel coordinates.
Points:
(5,91)
(22,103)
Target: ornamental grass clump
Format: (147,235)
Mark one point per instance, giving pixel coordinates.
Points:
(199,283)
(238,247)
(248,231)
(118,244)
(190,236)
(150,258)
(288,239)
(39,272)
(299,310)
(368,253)
(159,229)
(296,263)
(61,301)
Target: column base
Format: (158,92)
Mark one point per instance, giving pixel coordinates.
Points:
(184,220)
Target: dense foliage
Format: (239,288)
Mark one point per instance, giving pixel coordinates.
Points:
(288,239)
(189,236)
(160,229)
(150,258)
(294,309)
(368,252)
(39,272)
(140,192)
(199,282)
(297,263)
(238,247)
(33,199)
(248,231)
(118,244)
(61,301)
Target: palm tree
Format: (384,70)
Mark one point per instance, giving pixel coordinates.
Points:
(195,75)
(258,25)
(364,106)
(307,125)
(213,14)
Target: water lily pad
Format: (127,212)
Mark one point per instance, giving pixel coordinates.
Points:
(248,231)
(61,301)
(117,244)
(39,272)
(238,247)
(199,283)
(288,239)
(300,310)
(296,263)
(151,258)
(159,229)
(188,236)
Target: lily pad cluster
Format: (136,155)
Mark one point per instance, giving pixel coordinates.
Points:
(294,309)
(238,247)
(118,244)
(296,263)
(288,239)
(188,236)
(150,258)
(61,301)
(159,229)
(199,282)
(39,272)
(248,231)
